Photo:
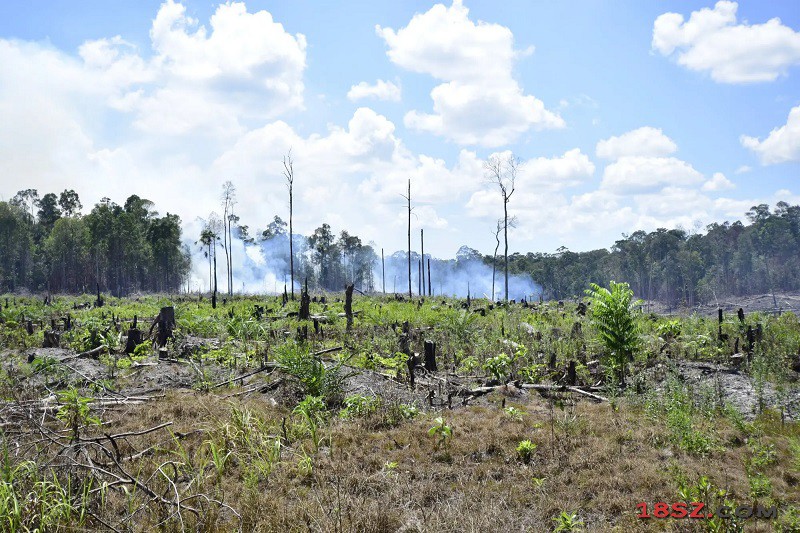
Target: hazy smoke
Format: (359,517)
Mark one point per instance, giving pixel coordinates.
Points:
(263,268)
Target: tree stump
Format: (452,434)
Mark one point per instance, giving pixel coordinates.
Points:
(135,338)
(52,339)
(305,303)
(348,305)
(572,376)
(430,356)
(166,323)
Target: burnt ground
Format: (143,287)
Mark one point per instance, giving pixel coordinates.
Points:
(727,385)
(435,390)
(786,301)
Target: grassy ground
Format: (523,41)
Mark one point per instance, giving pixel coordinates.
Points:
(298,446)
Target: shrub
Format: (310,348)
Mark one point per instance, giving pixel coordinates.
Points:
(614,319)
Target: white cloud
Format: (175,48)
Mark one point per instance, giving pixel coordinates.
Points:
(744,169)
(782,144)
(479,102)
(646,141)
(636,174)
(568,170)
(380,90)
(711,41)
(718,182)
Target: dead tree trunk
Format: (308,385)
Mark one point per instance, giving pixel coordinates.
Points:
(135,337)
(305,303)
(422,260)
(348,306)
(166,323)
(383,271)
(430,292)
(409,238)
(430,356)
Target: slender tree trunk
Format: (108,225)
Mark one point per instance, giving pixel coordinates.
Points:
(214,293)
(409,239)
(383,271)
(505,236)
(422,248)
(430,293)
(291,244)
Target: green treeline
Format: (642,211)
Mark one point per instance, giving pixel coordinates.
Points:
(47,245)
(677,267)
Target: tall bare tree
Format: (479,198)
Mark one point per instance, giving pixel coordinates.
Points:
(497,231)
(288,173)
(503,173)
(408,199)
(228,201)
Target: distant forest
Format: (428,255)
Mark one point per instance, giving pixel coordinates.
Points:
(677,267)
(46,244)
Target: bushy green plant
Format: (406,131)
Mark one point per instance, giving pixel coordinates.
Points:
(615,321)
(358,406)
(498,367)
(525,450)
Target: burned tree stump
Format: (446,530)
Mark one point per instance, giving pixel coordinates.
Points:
(135,337)
(166,323)
(572,376)
(305,304)
(430,356)
(348,305)
(52,339)
(740,314)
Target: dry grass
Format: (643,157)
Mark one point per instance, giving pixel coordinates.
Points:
(370,475)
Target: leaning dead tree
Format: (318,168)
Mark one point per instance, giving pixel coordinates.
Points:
(288,173)
(503,173)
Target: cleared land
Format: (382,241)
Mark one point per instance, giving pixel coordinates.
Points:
(250,419)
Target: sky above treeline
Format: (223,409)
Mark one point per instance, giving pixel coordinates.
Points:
(626,115)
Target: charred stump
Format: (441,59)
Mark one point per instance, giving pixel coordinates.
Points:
(135,337)
(166,323)
(430,356)
(305,303)
(52,339)
(348,306)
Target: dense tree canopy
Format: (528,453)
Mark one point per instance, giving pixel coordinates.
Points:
(48,245)
(682,268)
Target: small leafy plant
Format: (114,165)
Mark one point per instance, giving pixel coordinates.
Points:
(441,431)
(525,450)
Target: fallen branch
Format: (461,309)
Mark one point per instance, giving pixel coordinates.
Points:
(94,353)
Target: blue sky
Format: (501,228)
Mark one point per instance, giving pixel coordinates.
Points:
(626,115)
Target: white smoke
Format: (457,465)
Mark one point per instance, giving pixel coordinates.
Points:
(263,268)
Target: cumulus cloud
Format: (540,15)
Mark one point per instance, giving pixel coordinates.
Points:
(380,90)
(782,144)
(631,174)
(479,102)
(646,141)
(718,182)
(712,41)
